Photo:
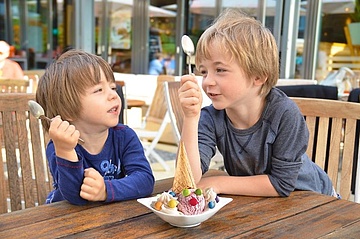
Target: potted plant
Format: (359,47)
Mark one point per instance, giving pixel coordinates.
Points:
(354,26)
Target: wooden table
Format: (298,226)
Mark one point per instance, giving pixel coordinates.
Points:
(302,215)
(135,103)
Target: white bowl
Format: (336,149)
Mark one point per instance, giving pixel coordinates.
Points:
(185,220)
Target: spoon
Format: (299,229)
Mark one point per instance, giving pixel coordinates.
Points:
(38,112)
(188,47)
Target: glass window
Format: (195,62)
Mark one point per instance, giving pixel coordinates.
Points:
(113,33)
(162,40)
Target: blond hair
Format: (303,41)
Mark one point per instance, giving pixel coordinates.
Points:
(65,81)
(251,45)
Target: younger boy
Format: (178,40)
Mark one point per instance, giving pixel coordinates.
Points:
(78,91)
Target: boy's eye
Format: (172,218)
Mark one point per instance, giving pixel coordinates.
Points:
(112,86)
(98,90)
(220,70)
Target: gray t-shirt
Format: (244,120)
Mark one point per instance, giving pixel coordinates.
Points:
(276,145)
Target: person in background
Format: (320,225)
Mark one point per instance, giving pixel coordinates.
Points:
(169,64)
(156,66)
(8,68)
(78,91)
(259,131)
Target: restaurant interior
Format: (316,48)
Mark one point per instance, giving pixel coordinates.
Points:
(308,33)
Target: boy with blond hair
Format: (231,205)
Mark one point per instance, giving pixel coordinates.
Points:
(259,131)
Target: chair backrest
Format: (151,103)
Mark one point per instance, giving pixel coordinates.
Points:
(14,85)
(157,109)
(38,72)
(24,176)
(310,91)
(282,82)
(354,96)
(33,82)
(332,128)
(174,107)
(121,90)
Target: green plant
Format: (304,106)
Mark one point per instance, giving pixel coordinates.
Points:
(356,15)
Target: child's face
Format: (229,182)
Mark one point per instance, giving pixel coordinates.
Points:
(101,105)
(224,81)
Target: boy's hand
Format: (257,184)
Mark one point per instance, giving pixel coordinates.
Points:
(93,187)
(190,96)
(65,138)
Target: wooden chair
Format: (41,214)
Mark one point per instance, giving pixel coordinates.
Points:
(38,72)
(25,180)
(156,114)
(33,82)
(121,90)
(332,128)
(176,116)
(14,85)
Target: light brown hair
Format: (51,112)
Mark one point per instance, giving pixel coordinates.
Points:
(251,45)
(65,81)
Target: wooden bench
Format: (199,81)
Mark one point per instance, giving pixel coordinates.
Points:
(336,62)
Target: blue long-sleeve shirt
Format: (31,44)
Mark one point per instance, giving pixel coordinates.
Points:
(122,163)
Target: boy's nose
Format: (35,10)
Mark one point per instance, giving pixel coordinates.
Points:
(113,93)
(208,80)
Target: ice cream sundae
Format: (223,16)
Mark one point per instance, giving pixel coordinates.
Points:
(184,198)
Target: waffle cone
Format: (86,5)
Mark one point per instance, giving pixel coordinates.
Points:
(183,175)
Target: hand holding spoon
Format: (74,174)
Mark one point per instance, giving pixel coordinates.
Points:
(38,112)
(188,47)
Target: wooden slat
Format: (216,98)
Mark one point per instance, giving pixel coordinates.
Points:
(347,165)
(25,162)
(351,230)
(321,146)
(324,220)
(340,118)
(28,174)
(3,185)
(311,123)
(336,62)
(157,109)
(174,107)
(49,184)
(175,102)
(12,167)
(39,161)
(13,85)
(334,149)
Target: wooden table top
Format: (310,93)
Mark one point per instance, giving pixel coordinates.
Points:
(302,215)
(135,103)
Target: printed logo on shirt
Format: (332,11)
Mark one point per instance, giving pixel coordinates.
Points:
(109,170)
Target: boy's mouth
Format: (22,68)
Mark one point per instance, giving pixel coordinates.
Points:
(113,110)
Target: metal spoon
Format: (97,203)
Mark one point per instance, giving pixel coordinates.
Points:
(188,47)
(38,112)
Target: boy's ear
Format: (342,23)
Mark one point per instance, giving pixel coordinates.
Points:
(260,80)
